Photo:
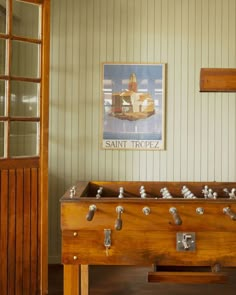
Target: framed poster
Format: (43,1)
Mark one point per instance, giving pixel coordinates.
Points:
(133,106)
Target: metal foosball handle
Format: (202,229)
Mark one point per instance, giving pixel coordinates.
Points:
(229,213)
(176,217)
(90,215)
(118,223)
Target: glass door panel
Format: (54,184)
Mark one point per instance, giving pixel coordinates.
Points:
(26,20)
(2,16)
(24,139)
(2,98)
(2,139)
(2,56)
(25,59)
(25,99)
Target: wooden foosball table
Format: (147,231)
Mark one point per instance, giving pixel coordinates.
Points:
(186,231)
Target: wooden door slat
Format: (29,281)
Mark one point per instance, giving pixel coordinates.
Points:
(19,230)
(3,229)
(34,230)
(26,232)
(12,233)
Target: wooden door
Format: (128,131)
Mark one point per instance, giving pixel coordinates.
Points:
(24,85)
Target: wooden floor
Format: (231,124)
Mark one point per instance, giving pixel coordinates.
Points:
(107,280)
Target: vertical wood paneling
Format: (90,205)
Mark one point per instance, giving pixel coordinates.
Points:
(20,240)
(191,88)
(34,217)
(19,230)
(177,86)
(197,103)
(124,33)
(107,10)
(144,30)
(168,13)
(95,92)
(53,153)
(163,160)
(156,7)
(184,89)
(218,97)
(116,58)
(3,228)
(130,31)
(204,97)
(144,33)
(105,165)
(150,58)
(89,88)
(117,30)
(151,30)
(130,48)
(211,96)
(232,102)
(26,231)
(61,132)
(200,127)
(137,58)
(123,58)
(82,89)
(74,89)
(218,145)
(68,102)
(12,233)
(225,96)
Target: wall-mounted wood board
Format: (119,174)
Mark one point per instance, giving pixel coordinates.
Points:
(218,80)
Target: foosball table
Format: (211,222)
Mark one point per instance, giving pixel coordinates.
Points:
(185,231)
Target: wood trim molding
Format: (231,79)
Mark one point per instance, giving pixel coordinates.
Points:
(33,1)
(44,145)
(19,163)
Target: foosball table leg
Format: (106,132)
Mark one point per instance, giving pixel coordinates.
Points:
(71,279)
(84,276)
(76,280)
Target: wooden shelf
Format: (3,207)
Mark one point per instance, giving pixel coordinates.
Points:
(217,80)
